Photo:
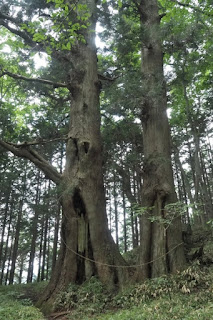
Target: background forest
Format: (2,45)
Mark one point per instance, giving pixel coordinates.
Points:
(35,112)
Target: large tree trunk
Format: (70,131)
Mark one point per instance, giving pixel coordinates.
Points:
(159,243)
(87,247)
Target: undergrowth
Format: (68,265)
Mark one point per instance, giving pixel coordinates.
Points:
(91,297)
(16,302)
(186,295)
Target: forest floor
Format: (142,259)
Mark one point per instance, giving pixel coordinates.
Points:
(187,295)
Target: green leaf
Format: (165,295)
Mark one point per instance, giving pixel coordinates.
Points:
(120,3)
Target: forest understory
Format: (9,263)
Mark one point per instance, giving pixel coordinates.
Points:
(187,295)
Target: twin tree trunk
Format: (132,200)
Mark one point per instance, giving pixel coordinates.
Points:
(85,235)
(87,247)
(160,241)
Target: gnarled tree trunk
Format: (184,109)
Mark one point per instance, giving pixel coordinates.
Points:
(87,247)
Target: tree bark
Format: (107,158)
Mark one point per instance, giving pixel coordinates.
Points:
(87,247)
(160,245)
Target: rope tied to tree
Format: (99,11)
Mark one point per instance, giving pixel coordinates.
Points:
(121,266)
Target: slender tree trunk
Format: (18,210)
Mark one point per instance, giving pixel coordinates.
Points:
(48,253)
(34,232)
(210,156)
(124,223)
(191,158)
(110,214)
(55,241)
(40,248)
(206,189)
(16,242)
(134,242)
(208,192)
(9,257)
(45,234)
(115,209)
(6,256)
(202,192)
(184,189)
(158,244)
(57,218)
(136,196)
(4,223)
(21,269)
(179,182)
(17,229)
(127,189)
(185,179)
(199,186)
(44,252)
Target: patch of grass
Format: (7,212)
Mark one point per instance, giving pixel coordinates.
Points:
(16,302)
(180,307)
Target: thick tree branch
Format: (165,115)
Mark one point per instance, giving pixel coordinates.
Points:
(28,40)
(6,17)
(30,154)
(49,82)
(44,81)
(37,142)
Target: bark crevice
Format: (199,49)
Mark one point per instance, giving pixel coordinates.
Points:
(78,203)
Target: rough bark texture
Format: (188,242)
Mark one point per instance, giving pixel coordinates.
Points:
(85,234)
(157,241)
